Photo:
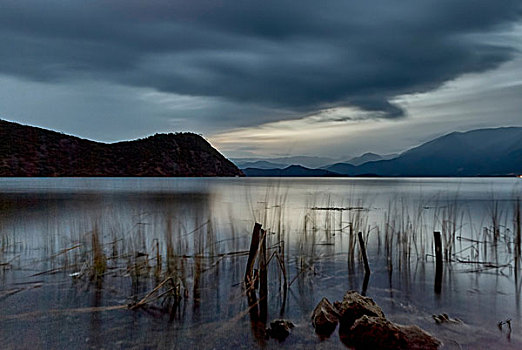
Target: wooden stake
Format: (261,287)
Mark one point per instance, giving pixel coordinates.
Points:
(254,247)
(438,262)
(363,252)
(263,280)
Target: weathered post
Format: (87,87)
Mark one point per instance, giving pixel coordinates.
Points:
(263,280)
(438,262)
(364,256)
(257,323)
(254,246)
(366,265)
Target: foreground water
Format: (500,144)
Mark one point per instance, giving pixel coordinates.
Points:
(54,232)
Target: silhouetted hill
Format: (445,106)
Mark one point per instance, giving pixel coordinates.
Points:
(483,152)
(31,151)
(291,171)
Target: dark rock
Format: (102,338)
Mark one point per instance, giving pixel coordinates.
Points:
(325,318)
(379,333)
(279,329)
(354,306)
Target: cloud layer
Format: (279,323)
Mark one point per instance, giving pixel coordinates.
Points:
(286,57)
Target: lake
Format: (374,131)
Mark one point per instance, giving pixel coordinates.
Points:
(159,262)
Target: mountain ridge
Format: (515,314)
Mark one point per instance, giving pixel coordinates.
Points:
(290,171)
(370,157)
(479,152)
(27,151)
(282,162)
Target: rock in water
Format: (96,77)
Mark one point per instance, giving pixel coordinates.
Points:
(379,333)
(280,329)
(325,318)
(354,306)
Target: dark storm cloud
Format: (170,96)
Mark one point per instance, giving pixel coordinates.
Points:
(302,56)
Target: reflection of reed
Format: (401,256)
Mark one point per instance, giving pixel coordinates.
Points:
(99,260)
(518,238)
(181,241)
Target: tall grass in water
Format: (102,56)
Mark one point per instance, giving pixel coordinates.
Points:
(517,222)
(4,239)
(171,259)
(516,225)
(271,213)
(450,221)
(99,260)
(10,248)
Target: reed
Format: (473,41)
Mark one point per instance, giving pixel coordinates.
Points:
(517,221)
(176,258)
(99,260)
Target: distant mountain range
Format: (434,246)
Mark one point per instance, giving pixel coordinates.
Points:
(370,157)
(31,151)
(305,161)
(483,152)
(262,164)
(291,171)
(282,162)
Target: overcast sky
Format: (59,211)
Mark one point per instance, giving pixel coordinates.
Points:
(263,78)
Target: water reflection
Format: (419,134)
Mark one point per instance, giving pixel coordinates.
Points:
(92,245)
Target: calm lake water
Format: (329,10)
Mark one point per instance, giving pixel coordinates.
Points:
(53,233)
